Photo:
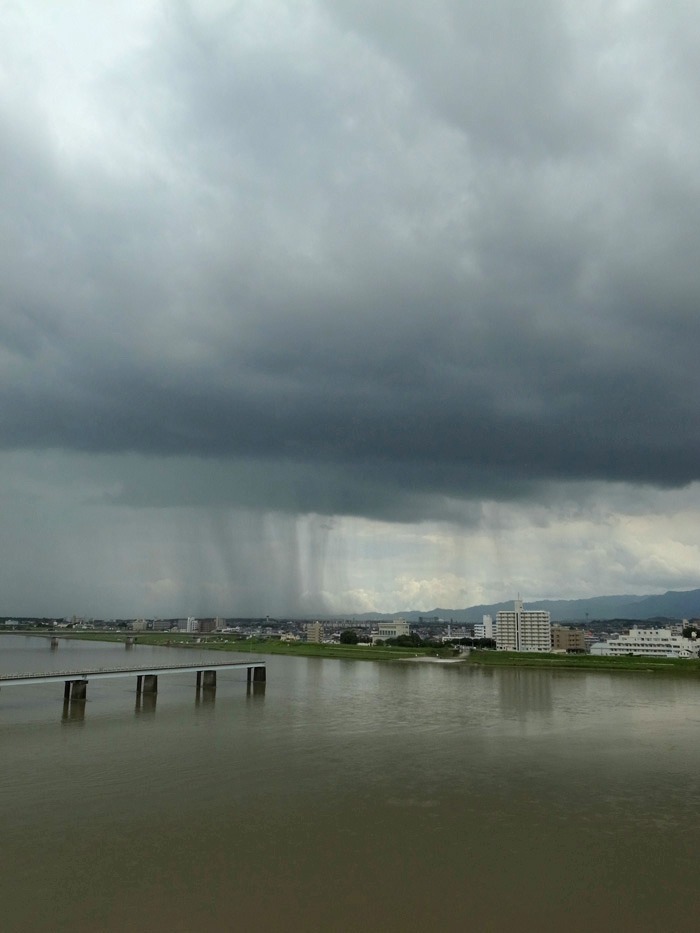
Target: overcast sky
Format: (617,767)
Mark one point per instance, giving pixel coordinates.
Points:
(343,306)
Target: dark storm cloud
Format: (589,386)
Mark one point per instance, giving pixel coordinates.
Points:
(366,260)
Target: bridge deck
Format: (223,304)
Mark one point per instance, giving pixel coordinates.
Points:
(102,673)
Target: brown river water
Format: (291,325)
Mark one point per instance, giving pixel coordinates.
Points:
(347,796)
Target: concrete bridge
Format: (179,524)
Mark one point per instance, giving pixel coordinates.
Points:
(75,682)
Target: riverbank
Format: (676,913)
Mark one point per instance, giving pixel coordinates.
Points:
(587,662)
(483,658)
(266,646)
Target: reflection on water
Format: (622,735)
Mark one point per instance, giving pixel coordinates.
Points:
(343,796)
(73,711)
(146,703)
(206,696)
(255,690)
(525,691)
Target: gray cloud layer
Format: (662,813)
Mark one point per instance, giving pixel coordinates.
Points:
(361,259)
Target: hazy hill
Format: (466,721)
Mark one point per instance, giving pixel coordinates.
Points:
(672,605)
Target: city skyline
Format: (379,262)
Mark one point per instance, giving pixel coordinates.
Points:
(331,308)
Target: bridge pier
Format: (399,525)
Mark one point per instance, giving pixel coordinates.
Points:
(259,675)
(206,679)
(146,683)
(75,690)
(54,641)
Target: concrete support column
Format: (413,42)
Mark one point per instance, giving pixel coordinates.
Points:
(259,675)
(139,684)
(210,679)
(250,674)
(78,690)
(150,683)
(66,691)
(199,679)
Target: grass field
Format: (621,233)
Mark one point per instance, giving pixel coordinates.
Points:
(586,662)
(268,646)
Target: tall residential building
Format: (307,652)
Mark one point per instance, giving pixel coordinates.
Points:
(523,629)
(485,628)
(314,632)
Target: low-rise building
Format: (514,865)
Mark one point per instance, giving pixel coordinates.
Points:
(648,642)
(392,629)
(569,639)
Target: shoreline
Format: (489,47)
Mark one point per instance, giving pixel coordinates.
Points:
(477,657)
(254,646)
(639,664)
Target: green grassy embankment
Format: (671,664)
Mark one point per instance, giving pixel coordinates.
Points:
(582,662)
(267,646)
(586,662)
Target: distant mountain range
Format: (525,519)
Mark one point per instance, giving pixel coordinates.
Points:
(670,605)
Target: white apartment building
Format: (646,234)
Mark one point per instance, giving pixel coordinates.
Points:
(314,632)
(648,642)
(485,628)
(521,629)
